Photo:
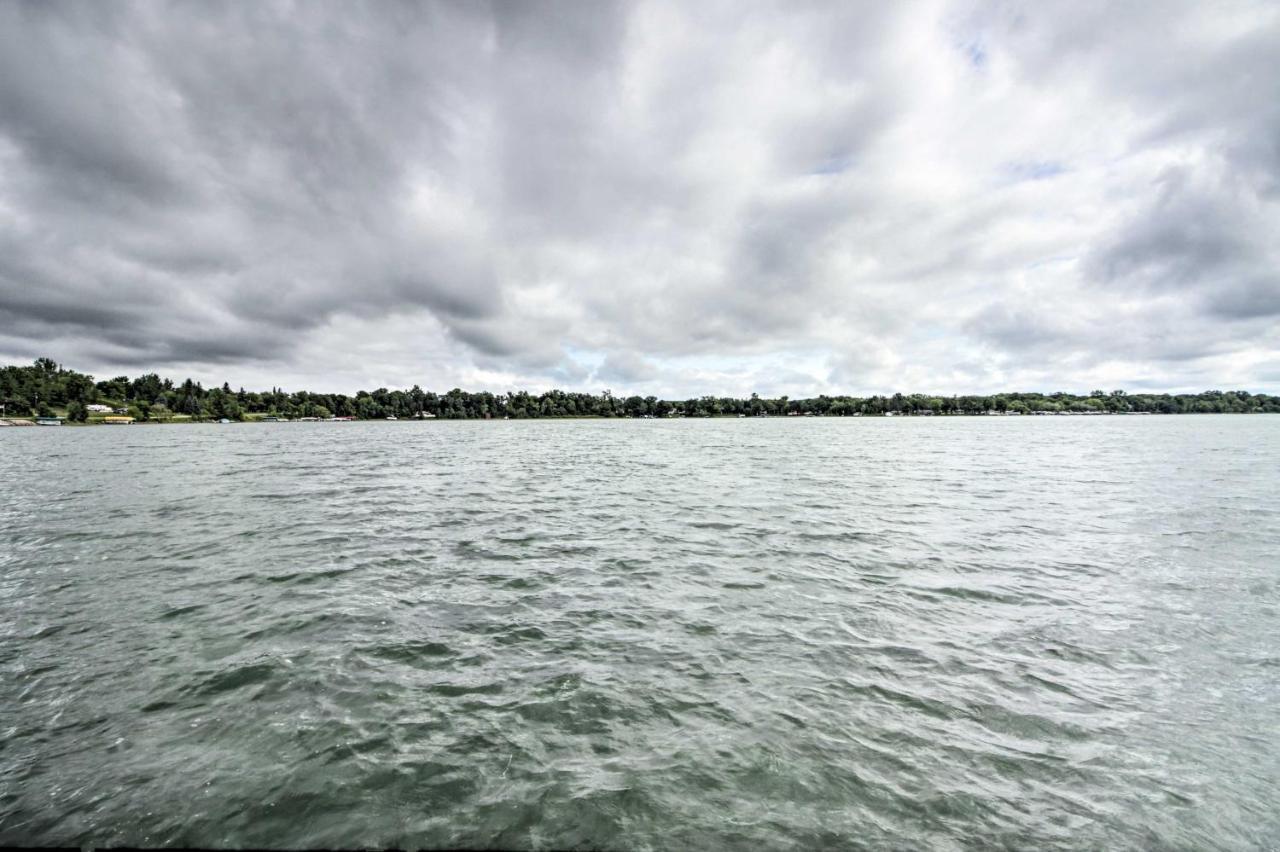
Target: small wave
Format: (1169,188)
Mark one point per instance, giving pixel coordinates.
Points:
(234,678)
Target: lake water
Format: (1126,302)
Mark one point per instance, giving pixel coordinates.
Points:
(959,632)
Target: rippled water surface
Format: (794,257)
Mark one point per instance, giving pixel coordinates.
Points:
(643,634)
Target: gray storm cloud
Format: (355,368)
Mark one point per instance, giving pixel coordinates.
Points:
(693,198)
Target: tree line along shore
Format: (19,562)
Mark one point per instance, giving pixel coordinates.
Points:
(46,390)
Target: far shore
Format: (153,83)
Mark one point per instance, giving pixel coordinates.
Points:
(45,390)
(188,421)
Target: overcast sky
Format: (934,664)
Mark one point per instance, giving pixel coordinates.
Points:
(667,198)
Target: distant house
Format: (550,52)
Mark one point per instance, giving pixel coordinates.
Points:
(98,408)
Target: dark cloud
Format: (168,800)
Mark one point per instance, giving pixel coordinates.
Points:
(1194,228)
(1248,299)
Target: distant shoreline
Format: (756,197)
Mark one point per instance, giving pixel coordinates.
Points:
(187,421)
(47,390)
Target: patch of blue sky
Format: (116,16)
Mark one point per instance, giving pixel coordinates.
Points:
(976,52)
(834,165)
(589,358)
(1056,260)
(972,47)
(1025,170)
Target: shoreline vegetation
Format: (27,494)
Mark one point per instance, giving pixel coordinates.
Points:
(46,391)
